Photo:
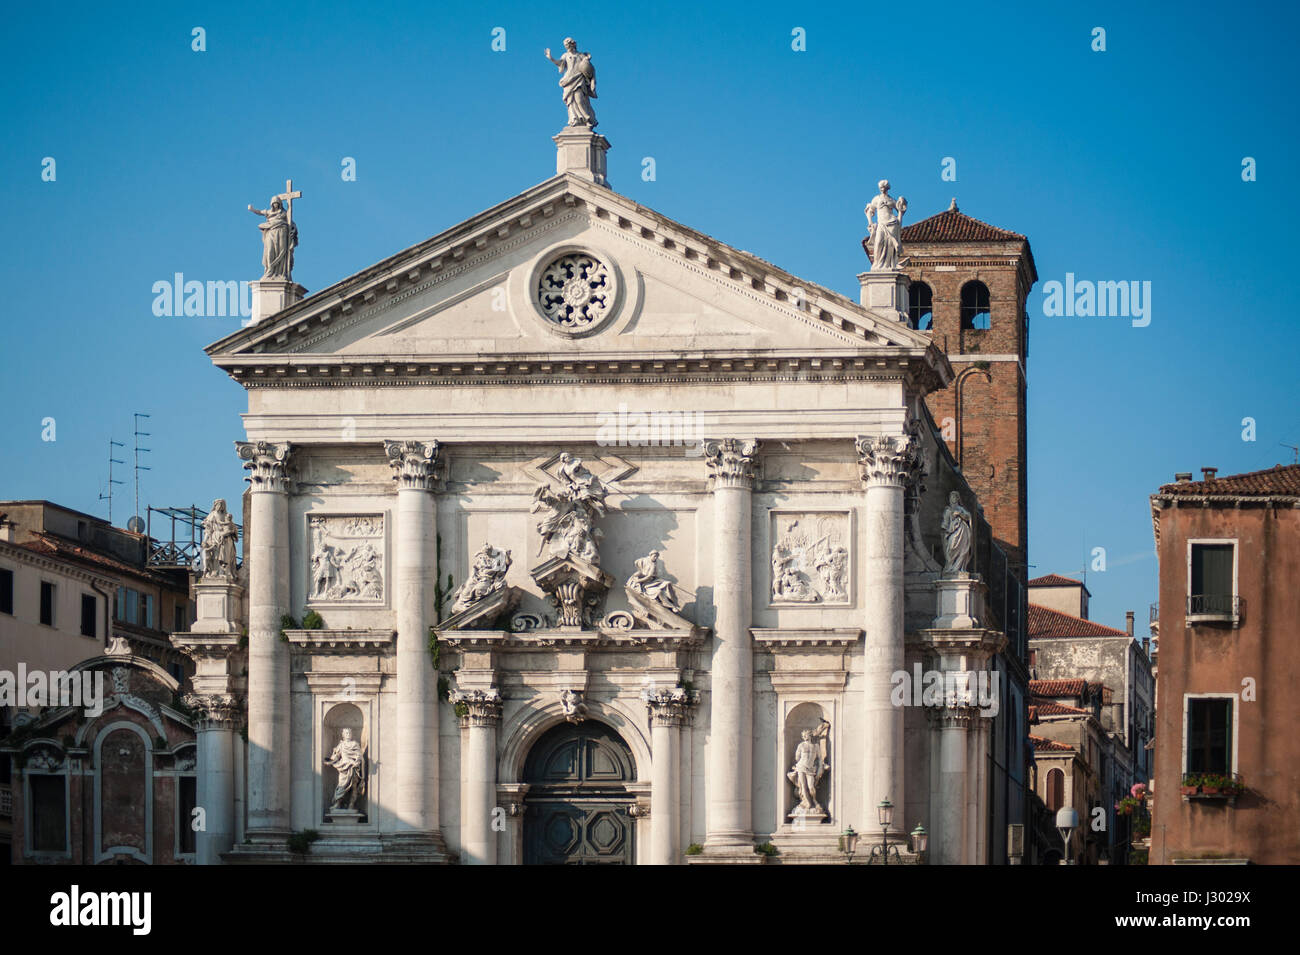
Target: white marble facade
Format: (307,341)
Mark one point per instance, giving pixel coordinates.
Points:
(760,433)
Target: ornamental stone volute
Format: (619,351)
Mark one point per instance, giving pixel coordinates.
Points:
(416,464)
(267,464)
(888,460)
(731,461)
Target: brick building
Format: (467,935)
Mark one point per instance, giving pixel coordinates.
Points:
(1227,767)
(970,281)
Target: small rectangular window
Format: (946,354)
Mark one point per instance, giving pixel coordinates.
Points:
(89,613)
(1212,573)
(6,591)
(49,813)
(1209,736)
(178,618)
(47,603)
(146,611)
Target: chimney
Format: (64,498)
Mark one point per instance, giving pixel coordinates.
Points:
(1183,477)
(1207,474)
(1128,623)
(1146,646)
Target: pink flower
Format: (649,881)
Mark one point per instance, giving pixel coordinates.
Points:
(1138,791)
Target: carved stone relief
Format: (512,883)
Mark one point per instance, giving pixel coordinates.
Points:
(811,560)
(347,559)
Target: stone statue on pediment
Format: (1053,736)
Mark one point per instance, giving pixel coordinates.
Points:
(219,537)
(956,529)
(487,576)
(885,234)
(578,83)
(570,527)
(647,582)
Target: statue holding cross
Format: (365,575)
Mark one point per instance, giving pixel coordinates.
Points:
(279,234)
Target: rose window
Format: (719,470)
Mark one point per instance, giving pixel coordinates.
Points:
(575,291)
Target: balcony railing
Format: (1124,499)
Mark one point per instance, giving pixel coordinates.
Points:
(1212,786)
(1208,608)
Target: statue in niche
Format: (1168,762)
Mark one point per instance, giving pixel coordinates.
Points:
(219,536)
(487,576)
(886,233)
(809,767)
(570,529)
(956,529)
(348,760)
(646,581)
(578,83)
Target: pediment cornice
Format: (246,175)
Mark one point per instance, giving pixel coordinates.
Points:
(274,349)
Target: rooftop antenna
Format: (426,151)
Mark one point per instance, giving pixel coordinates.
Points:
(136,523)
(1295,452)
(111,480)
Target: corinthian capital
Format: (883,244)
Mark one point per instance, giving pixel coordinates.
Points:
(888,460)
(731,461)
(478,707)
(267,464)
(415,464)
(221,710)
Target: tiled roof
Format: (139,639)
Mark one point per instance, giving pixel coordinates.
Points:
(952,225)
(1058,687)
(1045,707)
(1055,580)
(1043,744)
(52,546)
(1277,481)
(1044,622)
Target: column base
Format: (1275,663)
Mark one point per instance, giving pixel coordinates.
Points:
(733,851)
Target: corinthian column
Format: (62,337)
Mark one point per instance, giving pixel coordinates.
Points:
(415,786)
(887,463)
(217,718)
(731,700)
(478,782)
(268,655)
(670,710)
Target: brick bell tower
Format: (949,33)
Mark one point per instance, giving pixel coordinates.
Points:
(970,283)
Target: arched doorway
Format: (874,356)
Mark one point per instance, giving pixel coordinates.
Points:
(576,811)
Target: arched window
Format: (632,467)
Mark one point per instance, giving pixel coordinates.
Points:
(1055,789)
(975,305)
(920,306)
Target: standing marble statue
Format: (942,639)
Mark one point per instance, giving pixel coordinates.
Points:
(279,235)
(219,536)
(809,766)
(578,83)
(348,760)
(956,529)
(886,233)
(646,581)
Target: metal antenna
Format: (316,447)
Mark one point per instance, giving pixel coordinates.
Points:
(1295,452)
(111,481)
(138,466)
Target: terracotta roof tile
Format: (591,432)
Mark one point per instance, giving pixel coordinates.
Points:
(1044,707)
(1058,687)
(1055,580)
(1043,744)
(1045,623)
(52,546)
(1277,481)
(952,225)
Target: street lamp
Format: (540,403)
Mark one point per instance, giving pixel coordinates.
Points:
(881,852)
(1067,820)
(849,843)
(920,841)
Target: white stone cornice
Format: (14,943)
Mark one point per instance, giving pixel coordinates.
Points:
(416,464)
(267,463)
(731,462)
(888,460)
(341,641)
(827,638)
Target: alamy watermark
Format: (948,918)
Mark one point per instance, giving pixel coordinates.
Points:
(1087,299)
(179,298)
(642,429)
(979,688)
(53,688)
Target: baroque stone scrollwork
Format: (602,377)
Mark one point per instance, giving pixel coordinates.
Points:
(810,559)
(219,537)
(347,559)
(267,464)
(415,464)
(478,707)
(888,460)
(731,461)
(487,576)
(576,291)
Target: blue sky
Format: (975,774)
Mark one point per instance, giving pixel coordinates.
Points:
(1119,165)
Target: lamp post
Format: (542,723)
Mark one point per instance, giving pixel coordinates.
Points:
(849,843)
(881,852)
(1067,820)
(920,841)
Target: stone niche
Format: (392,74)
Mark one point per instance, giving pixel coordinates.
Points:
(348,562)
(339,717)
(811,558)
(800,717)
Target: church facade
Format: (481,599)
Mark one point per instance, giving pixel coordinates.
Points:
(575,535)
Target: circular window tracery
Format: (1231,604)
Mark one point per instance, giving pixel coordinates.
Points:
(576,291)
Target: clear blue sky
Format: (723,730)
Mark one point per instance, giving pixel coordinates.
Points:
(1122,165)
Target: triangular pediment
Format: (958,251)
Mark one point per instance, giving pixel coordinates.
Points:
(570,270)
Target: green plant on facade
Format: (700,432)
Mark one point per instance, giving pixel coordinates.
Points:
(287,623)
(694,849)
(313,621)
(300,842)
(767,849)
